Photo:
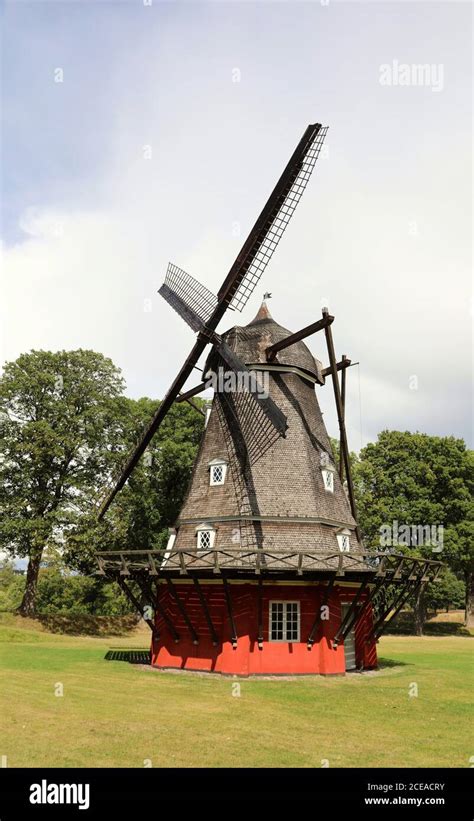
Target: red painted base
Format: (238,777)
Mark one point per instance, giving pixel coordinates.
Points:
(291,658)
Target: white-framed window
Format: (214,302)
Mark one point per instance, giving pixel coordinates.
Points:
(344,541)
(284,621)
(205,536)
(328,478)
(217,472)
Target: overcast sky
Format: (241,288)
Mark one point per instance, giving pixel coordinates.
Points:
(219,94)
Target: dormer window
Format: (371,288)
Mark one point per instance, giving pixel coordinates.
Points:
(217,472)
(205,536)
(327,473)
(344,540)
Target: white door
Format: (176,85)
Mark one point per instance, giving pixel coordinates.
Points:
(349,643)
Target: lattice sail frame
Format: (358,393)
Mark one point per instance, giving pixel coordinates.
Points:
(273,230)
(192,301)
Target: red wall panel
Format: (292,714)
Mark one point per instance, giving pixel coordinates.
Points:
(246,658)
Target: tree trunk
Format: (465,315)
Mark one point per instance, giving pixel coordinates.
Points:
(419,611)
(28,602)
(469,615)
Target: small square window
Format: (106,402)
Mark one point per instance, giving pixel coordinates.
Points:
(284,621)
(328,479)
(344,542)
(205,538)
(217,474)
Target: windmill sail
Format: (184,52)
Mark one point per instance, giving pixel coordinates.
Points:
(191,300)
(272,222)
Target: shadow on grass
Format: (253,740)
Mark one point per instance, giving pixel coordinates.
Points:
(445,628)
(404,625)
(384,663)
(135,656)
(88,625)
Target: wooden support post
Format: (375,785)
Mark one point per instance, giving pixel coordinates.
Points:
(207,614)
(350,616)
(399,597)
(124,586)
(101,570)
(185,395)
(182,564)
(340,418)
(124,571)
(319,613)
(370,597)
(260,615)
(182,610)
(412,591)
(164,615)
(230,613)
(343,403)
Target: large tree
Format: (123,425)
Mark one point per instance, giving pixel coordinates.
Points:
(421,481)
(148,504)
(59,428)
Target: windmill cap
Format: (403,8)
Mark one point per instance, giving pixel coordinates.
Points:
(249,343)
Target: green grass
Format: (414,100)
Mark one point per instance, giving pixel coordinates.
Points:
(115,714)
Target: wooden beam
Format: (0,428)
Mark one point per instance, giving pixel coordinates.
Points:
(319,615)
(230,613)
(124,586)
(164,615)
(370,597)
(185,395)
(207,614)
(272,350)
(182,610)
(350,616)
(343,403)
(412,591)
(260,615)
(342,426)
(396,604)
(340,366)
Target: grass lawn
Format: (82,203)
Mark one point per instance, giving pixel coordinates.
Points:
(116,714)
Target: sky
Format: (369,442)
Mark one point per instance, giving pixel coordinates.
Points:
(137,133)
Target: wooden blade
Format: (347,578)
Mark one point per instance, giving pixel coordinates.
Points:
(270,225)
(253,420)
(249,386)
(155,423)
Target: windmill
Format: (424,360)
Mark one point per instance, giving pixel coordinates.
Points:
(266,561)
